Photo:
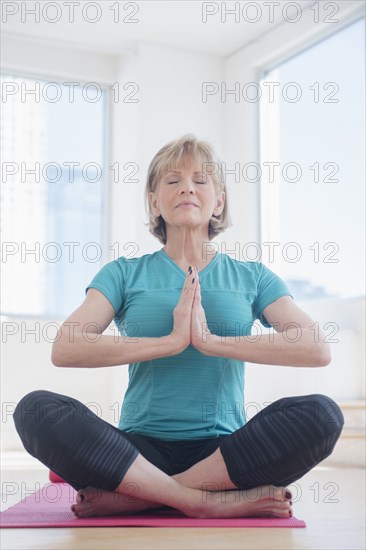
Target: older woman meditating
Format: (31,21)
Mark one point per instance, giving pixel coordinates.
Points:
(184,314)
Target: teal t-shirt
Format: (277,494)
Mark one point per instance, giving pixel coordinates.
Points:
(188,395)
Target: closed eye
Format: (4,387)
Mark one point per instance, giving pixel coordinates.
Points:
(169,182)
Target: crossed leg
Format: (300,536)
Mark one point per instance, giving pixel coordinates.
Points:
(145,487)
(281,442)
(57,444)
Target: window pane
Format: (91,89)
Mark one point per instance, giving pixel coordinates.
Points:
(323,134)
(51,195)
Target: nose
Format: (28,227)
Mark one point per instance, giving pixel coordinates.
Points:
(186,185)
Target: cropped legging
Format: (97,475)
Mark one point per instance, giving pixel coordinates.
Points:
(277,446)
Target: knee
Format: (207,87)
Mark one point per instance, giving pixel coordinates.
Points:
(29,412)
(327,414)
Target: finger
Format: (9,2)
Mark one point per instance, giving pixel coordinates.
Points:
(195,291)
(197,294)
(197,288)
(189,287)
(189,276)
(197,276)
(193,279)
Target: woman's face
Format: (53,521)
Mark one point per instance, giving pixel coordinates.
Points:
(186,196)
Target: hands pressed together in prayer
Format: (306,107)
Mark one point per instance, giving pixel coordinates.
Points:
(190,324)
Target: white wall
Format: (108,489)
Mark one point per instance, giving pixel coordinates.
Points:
(170,106)
(43,58)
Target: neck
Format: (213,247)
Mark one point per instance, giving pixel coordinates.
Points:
(191,253)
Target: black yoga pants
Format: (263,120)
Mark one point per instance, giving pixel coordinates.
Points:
(277,446)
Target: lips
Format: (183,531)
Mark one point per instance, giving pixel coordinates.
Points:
(186,204)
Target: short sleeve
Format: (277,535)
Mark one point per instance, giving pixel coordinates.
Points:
(270,287)
(110,280)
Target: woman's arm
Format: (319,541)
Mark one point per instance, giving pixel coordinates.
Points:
(298,343)
(80,343)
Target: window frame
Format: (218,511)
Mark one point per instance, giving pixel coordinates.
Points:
(106,187)
(269,199)
(270,205)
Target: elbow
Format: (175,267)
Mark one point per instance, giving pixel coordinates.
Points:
(62,354)
(56,354)
(323,356)
(56,360)
(58,357)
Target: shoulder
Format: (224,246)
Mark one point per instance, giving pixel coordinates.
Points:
(251,268)
(253,276)
(128,268)
(127,262)
(256,267)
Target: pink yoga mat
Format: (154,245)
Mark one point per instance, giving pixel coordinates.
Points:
(55,478)
(50,507)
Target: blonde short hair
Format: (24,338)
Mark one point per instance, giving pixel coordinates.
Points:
(171,155)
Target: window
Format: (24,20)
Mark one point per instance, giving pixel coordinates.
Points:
(51,196)
(312,196)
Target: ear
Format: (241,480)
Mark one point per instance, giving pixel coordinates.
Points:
(220,203)
(154,203)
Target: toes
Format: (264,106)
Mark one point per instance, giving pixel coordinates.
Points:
(279,494)
(283,512)
(282,509)
(80,496)
(73,510)
(92,494)
(88,494)
(282,493)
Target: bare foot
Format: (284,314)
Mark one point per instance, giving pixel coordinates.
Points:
(96,502)
(265,501)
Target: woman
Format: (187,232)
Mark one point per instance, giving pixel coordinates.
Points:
(185,317)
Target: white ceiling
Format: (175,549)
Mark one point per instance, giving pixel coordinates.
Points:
(168,23)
